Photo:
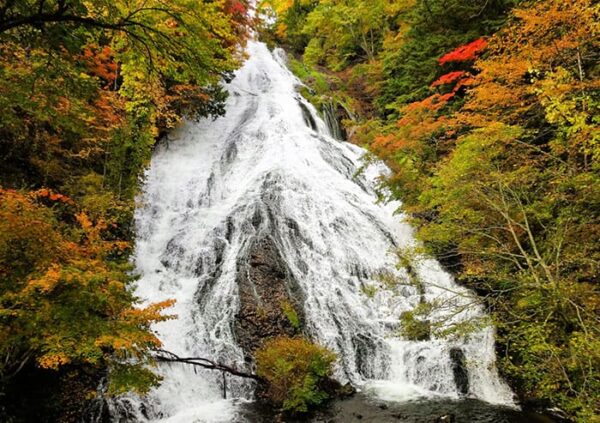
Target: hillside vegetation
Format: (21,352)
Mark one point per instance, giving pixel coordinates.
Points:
(487,112)
(86,89)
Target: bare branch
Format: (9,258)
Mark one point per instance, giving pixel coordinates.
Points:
(169,357)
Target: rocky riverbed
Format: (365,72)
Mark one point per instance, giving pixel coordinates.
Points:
(361,408)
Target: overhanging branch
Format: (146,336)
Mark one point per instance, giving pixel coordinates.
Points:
(169,357)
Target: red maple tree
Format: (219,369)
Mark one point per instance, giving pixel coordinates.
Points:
(465,53)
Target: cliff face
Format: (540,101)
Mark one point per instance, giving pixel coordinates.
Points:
(267,306)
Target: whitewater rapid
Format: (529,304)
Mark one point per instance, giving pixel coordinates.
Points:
(272,156)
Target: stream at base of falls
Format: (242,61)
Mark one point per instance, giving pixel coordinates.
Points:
(263,208)
(361,408)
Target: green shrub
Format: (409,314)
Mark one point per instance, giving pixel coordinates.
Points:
(290,313)
(369,290)
(413,328)
(294,369)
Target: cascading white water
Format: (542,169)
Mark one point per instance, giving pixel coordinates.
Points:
(270,155)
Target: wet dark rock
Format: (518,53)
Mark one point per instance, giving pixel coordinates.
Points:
(359,272)
(365,347)
(263,283)
(210,184)
(335,390)
(229,227)
(295,233)
(116,410)
(308,117)
(346,391)
(211,263)
(459,369)
(173,253)
(293,226)
(97,411)
(230,153)
(334,114)
(209,268)
(257,218)
(557,414)
(337,160)
(536,405)
(199,267)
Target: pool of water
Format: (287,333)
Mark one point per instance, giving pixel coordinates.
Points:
(360,408)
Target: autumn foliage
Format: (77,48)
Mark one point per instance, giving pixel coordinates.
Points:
(502,167)
(467,53)
(86,90)
(294,369)
(448,78)
(487,114)
(57,269)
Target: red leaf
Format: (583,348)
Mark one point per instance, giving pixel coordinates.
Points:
(448,78)
(236,8)
(464,53)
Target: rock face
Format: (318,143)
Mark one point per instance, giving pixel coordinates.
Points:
(461,374)
(267,307)
(270,306)
(334,114)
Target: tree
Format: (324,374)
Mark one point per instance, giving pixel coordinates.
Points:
(290,18)
(500,169)
(86,89)
(86,78)
(410,62)
(57,271)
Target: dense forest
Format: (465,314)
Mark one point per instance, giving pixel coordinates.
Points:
(86,89)
(486,111)
(488,114)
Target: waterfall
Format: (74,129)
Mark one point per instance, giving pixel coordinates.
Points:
(269,175)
